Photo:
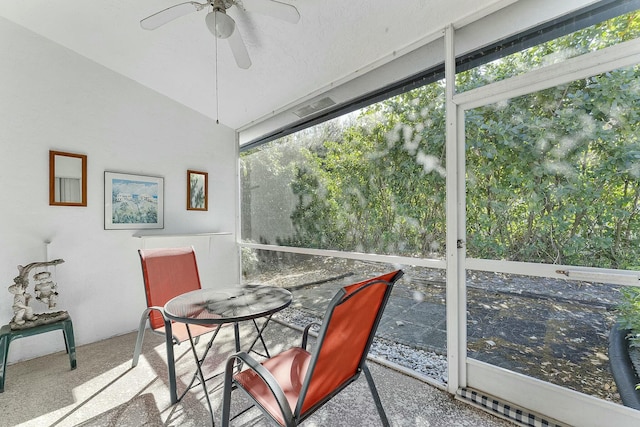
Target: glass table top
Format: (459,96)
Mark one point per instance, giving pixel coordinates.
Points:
(226,305)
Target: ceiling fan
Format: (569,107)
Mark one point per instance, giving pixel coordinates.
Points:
(221,25)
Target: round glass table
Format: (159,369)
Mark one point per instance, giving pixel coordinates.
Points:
(227,305)
(222,306)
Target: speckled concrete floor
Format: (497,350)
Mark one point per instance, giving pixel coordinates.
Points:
(105,391)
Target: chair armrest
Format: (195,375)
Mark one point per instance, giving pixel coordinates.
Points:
(143,323)
(148,310)
(265,375)
(306,332)
(157,308)
(167,322)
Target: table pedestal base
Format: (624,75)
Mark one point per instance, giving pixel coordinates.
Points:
(200,359)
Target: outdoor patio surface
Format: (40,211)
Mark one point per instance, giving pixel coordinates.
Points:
(105,391)
(550,329)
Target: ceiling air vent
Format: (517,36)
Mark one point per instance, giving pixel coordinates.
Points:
(314,107)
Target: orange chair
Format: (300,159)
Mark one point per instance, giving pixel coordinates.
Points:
(292,385)
(168,273)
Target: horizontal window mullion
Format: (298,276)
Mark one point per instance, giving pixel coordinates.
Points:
(584,66)
(391,259)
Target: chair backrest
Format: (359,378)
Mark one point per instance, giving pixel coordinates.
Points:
(167,273)
(345,337)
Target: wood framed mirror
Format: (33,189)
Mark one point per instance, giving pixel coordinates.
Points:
(67,179)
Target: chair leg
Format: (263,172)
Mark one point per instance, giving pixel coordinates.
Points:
(376,396)
(171,364)
(4,354)
(226,387)
(140,338)
(70,342)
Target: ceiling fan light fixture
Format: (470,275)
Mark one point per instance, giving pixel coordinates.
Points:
(220,24)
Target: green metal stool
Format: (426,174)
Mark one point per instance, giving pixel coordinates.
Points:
(7,335)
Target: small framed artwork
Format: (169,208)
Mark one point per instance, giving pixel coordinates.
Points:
(197,191)
(133,201)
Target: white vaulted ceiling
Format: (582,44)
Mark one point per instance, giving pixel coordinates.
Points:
(333,40)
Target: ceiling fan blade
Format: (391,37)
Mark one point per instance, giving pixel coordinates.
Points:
(275,9)
(239,50)
(169,14)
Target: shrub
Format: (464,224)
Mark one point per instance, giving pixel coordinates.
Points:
(630,314)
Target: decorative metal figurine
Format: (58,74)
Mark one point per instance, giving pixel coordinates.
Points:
(45,291)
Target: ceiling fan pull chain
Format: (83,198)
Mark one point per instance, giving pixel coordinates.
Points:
(217,97)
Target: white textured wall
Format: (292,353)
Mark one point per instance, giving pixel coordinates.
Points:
(52,98)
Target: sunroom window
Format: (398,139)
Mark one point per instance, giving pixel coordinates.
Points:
(552,178)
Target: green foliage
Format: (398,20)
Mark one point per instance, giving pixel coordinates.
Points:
(604,34)
(629,317)
(249,260)
(196,191)
(379,186)
(555,174)
(552,177)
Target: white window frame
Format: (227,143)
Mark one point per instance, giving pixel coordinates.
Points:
(562,404)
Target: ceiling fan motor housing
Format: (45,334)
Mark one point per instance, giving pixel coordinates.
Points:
(220,24)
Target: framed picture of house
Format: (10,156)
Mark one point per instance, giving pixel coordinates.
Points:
(133,201)
(197,191)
